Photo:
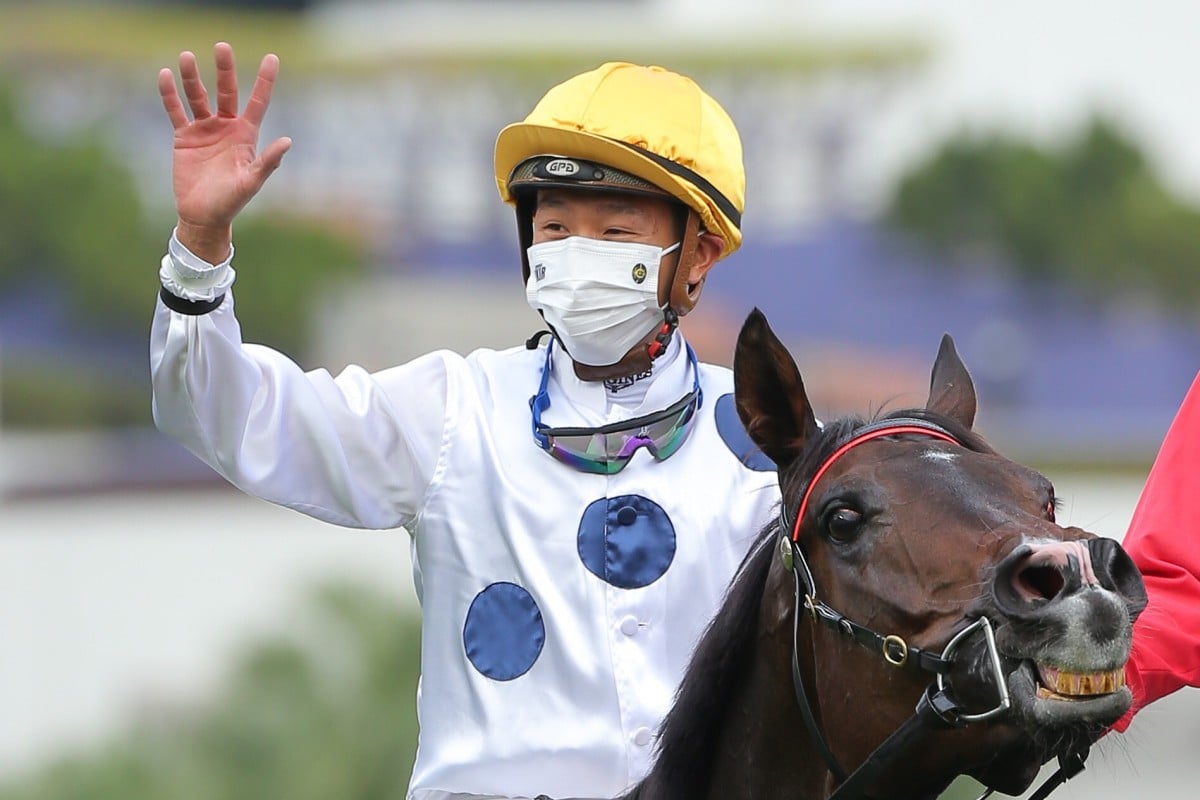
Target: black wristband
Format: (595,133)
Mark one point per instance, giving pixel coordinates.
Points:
(192,308)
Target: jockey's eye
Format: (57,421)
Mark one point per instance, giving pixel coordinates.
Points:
(842,522)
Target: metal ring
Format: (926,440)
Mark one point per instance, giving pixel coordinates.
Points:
(896,642)
(1004,698)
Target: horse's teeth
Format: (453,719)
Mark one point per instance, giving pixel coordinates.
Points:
(1075,684)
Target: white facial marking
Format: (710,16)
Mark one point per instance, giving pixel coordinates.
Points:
(939,455)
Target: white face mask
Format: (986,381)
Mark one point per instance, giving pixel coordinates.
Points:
(600,297)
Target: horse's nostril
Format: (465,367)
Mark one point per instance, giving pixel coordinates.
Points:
(1039,583)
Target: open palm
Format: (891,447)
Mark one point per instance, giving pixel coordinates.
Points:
(216,168)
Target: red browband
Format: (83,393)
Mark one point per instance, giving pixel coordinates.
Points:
(865,436)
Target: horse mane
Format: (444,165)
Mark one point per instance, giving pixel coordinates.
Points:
(688,740)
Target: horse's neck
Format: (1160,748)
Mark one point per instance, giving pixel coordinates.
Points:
(765,750)
(737,730)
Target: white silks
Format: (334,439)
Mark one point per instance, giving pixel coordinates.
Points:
(600,297)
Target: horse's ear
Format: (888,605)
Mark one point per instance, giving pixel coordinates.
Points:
(769,394)
(951,391)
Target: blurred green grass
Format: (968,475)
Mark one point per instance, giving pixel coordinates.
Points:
(327,710)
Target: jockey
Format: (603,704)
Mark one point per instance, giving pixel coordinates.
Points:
(577,503)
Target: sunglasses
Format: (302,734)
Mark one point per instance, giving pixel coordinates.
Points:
(607,449)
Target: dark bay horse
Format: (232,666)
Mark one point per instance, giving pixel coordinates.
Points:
(915,613)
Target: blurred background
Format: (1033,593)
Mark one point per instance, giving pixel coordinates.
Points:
(1024,176)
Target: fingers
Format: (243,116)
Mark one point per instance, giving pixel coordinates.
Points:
(193,87)
(170,99)
(227,90)
(260,97)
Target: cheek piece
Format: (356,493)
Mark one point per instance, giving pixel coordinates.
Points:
(681,296)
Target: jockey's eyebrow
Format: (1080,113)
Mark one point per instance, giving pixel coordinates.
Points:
(609,202)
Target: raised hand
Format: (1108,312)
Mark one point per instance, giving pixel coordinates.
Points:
(216,168)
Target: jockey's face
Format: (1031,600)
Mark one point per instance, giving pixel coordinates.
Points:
(610,216)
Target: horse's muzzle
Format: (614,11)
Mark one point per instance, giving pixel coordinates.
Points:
(1064,613)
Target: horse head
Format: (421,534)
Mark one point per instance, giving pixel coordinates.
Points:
(917,535)
(995,639)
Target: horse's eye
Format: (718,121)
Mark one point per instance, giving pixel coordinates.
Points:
(1050,506)
(843,523)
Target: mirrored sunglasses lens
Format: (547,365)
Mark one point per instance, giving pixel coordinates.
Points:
(668,440)
(609,453)
(580,453)
(667,446)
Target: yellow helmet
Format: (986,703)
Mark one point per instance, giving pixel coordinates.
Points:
(646,121)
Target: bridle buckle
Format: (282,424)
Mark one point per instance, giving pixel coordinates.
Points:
(895,650)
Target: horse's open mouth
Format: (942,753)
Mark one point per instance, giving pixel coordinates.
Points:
(1055,683)
(1057,697)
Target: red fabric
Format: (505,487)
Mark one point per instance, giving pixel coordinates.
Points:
(1164,541)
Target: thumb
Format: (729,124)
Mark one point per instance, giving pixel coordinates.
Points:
(271,157)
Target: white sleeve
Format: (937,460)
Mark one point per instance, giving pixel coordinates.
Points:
(357,450)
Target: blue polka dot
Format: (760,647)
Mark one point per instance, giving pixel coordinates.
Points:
(504,632)
(628,541)
(733,433)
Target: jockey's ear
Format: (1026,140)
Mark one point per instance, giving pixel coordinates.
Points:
(769,394)
(951,391)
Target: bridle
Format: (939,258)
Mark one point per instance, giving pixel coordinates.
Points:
(937,709)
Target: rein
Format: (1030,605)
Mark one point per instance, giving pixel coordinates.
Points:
(936,709)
